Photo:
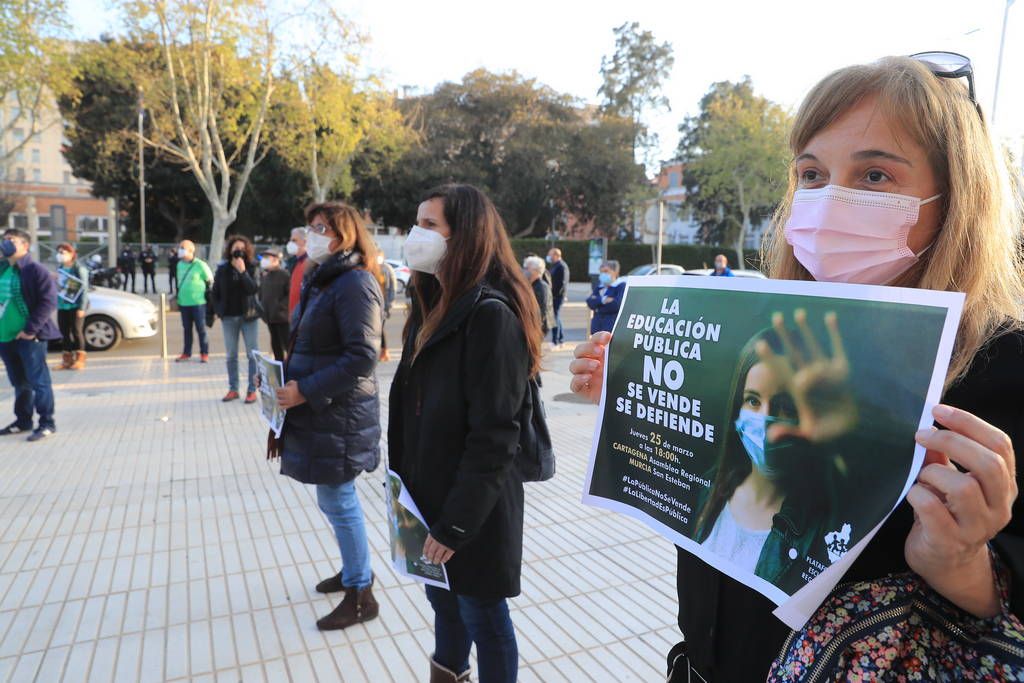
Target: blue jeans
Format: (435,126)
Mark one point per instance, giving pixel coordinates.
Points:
(25,361)
(195,315)
(557,336)
(341,506)
(233,324)
(460,621)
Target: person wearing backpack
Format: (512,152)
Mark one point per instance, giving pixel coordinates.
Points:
(472,343)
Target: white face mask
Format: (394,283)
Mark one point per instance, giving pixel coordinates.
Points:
(182,253)
(318,247)
(264,264)
(61,257)
(424,249)
(292,248)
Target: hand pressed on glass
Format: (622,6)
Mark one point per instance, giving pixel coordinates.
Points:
(818,383)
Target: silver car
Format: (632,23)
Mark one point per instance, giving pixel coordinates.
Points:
(114,315)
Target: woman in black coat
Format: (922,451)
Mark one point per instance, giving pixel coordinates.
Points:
(234,294)
(471,344)
(962,518)
(331,431)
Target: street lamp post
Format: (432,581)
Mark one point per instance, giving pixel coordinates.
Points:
(142,178)
(661,232)
(999,62)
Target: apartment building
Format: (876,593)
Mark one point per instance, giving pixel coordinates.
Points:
(38,180)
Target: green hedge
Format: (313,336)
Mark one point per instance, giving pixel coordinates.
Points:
(630,255)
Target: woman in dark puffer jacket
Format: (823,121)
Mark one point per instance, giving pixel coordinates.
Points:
(332,428)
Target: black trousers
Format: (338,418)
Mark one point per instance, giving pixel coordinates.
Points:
(147,277)
(172,281)
(279,339)
(128,274)
(71,330)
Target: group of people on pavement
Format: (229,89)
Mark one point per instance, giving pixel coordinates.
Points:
(865,137)
(474,325)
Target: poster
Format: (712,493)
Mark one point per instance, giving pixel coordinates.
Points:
(69,287)
(767,427)
(270,376)
(408,532)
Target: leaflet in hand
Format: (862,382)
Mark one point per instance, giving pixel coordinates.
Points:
(408,532)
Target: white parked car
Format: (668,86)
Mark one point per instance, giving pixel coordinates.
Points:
(114,315)
(402,273)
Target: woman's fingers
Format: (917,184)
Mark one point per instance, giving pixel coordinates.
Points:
(836,339)
(584,366)
(932,513)
(976,429)
(964,499)
(984,466)
(810,341)
(779,325)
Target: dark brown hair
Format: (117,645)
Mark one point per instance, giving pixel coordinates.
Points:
(478,251)
(348,226)
(250,250)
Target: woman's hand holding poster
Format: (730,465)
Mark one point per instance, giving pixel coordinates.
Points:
(768,426)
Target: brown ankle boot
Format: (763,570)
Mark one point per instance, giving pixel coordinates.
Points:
(79,363)
(66,360)
(357,606)
(442,674)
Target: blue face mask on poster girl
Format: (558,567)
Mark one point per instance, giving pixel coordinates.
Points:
(753,432)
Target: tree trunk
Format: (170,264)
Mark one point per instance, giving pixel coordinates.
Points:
(745,210)
(221,222)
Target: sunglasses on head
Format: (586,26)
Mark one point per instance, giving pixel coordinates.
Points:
(950,65)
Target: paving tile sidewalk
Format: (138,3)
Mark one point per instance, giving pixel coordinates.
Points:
(148,540)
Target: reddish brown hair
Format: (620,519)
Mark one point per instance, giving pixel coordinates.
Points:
(348,226)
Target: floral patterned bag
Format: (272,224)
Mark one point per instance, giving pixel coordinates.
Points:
(899,629)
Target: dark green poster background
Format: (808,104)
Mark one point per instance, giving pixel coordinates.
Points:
(665,442)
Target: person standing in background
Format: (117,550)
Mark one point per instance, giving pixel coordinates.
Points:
(606,298)
(721,267)
(559,270)
(72,303)
(148,260)
(235,301)
(126,264)
(194,277)
(390,289)
(274,286)
(297,249)
(28,297)
(172,270)
(533,268)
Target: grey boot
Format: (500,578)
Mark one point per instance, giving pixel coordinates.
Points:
(441,674)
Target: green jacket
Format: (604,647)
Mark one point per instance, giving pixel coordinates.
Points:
(193,278)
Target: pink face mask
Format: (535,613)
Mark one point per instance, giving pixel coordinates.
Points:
(856,236)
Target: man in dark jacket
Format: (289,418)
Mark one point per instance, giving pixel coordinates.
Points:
(559,271)
(274,288)
(28,298)
(126,265)
(148,259)
(172,270)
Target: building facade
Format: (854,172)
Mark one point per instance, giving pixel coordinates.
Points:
(37,180)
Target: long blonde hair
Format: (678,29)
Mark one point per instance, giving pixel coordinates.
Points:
(978,247)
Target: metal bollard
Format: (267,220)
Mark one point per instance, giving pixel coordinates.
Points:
(163,325)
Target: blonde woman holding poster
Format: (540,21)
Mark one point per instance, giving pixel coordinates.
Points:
(895,181)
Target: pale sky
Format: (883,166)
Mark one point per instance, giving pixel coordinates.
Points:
(784,45)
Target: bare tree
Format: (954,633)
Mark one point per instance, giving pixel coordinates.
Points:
(209,101)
